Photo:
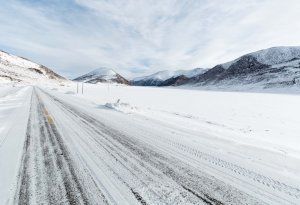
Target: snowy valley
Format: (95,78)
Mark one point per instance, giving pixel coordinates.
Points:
(100,140)
(160,102)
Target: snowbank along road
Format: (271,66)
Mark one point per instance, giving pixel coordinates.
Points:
(71,156)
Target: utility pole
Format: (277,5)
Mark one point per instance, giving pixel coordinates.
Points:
(82,89)
(77,87)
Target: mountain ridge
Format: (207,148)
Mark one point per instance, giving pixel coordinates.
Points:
(266,68)
(102,75)
(163,78)
(272,67)
(19,69)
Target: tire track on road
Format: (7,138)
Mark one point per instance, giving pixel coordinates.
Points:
(211,190)
(48,174)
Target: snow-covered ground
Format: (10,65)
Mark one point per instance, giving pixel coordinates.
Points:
(14,110)
(267,120)
(249,141)
(259,131)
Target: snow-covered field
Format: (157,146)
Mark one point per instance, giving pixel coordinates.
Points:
(265,120)
(248,143)
(14,110)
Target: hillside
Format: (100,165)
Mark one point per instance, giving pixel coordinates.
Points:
(20,70)
(102,75)
(166,78)
(275,67)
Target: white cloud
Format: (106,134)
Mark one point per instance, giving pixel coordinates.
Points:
(147,35)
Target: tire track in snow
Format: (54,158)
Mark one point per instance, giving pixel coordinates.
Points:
(259,178)
(209,188)
(48,174)
(213,162)
(140,172)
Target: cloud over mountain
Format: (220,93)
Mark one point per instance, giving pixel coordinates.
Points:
(141,37)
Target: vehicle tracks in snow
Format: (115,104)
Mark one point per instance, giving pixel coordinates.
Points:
(48,174)
(72,157)
(273,188)
(148,167)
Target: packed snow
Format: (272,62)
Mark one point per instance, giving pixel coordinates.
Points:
(14,110)
(120,106)
(256,130)
(248,142)
(257,117)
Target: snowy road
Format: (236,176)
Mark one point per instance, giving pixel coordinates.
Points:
(71,156)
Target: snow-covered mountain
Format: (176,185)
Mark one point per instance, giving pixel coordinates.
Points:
(166,77)
(102,75)
(18,69)
(276,67)
(273,67)
(270,56)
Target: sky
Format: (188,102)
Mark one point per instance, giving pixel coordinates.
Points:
(140,37)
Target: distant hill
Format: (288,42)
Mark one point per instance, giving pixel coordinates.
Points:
(18,69)
(166,78)
(102,75)
(273,67)
(276,67)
